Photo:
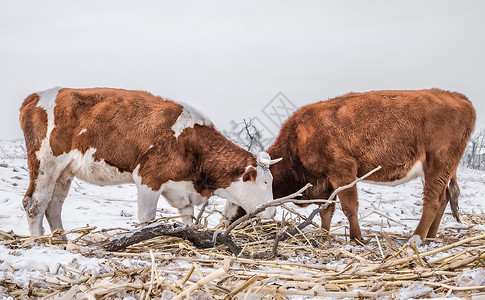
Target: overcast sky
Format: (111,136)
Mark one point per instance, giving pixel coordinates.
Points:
(229,59)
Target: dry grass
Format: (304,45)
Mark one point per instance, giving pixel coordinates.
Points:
(313,264)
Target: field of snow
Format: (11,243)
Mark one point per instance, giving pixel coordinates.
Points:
(382,208)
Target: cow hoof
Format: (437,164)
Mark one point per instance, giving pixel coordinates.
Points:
(415,241)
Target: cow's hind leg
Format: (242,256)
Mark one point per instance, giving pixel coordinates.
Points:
(433,229)
(449,195)
(54,209)
(437,177)
(36,201)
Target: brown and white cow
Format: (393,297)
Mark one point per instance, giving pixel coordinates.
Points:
(112,136)
(409,133)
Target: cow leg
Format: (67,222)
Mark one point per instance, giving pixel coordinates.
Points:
(433,229)
(147,203)
(36,201)
(344,173)
(348,200)
(189,211)
(434,203)
(54,209)
(231,213)
(326,216)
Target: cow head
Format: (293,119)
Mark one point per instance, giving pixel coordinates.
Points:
(254,187)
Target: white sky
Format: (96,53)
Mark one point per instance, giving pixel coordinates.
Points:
(230,58)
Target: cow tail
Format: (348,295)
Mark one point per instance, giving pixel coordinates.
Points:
(452,193)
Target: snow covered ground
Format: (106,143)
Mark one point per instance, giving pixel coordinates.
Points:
(392,209)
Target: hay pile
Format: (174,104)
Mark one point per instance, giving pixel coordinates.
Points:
(312,263)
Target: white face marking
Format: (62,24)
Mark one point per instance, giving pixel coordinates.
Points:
(187,119)
(251,194)
(47,101)
(416,171)
(82,131)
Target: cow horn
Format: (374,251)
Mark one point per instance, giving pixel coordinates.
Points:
(268,162)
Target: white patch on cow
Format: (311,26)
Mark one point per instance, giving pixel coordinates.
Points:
(416,171)
(251,194)
(187,119)
(181,193)
(47,101)
(85,167)
(147,198)
(183,196)
(82,131)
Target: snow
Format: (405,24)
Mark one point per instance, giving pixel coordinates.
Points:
(415,290)
(474,277)
(29,262)
(381,208)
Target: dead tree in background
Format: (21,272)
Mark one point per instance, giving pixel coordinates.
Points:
(246,135)
(474,156)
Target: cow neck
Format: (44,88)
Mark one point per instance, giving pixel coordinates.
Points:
(217,161)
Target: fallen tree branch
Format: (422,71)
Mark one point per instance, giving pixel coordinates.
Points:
(200,238)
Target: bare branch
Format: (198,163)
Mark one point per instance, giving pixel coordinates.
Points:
(261,208)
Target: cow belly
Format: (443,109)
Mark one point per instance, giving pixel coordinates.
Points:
(414,172)
(86,168)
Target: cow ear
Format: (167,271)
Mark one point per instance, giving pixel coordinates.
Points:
(250,174)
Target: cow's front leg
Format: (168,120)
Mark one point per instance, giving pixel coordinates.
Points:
(231,213)
(187,213)
(147,203)
(348,200)
(326,216)
(344,173)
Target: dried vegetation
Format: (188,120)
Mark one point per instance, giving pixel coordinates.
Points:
(312,263)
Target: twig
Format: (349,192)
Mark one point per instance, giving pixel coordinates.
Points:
(151,276)
(261,208)
(379,244)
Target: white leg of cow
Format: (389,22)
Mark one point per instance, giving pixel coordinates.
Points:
(147,203)
(188,210)
(36,206)
(230,214)
(54,209)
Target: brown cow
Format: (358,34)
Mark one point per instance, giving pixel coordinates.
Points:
(409,133)
(110,136)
